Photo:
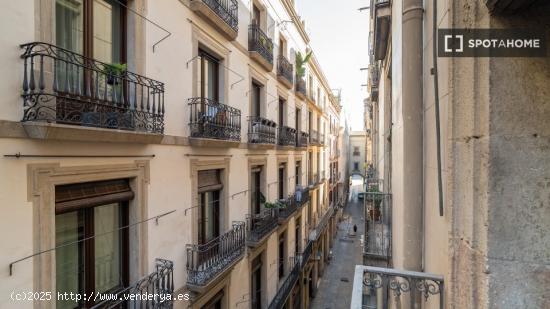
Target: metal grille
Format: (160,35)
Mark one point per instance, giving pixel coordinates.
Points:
(211,119)
(259,42)
(227,10)
(261,130)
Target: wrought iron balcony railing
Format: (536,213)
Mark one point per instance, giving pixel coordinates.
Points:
(302,139)
(320,227)
(314,137)
(373,76)
(284,290)
(301,195)
(287,136)
(159,283)
(211,119)
(227,10)
(301,87)
(285,68)
(260,225)
(290,206)
(206,261)
(259,42)
(64,87)
(377,225)
(261,130)
(393,283)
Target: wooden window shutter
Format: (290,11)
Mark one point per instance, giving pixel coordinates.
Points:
(209,180)
(90,194)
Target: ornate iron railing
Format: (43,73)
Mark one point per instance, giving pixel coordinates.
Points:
(373,75)
(393,283)
(377,225)
(314,137)
(259,42)
(318,228)
(159,284)
(287,136)
(301,195)
(211,119)
(301,86)
(260,225)
(302,139)
(290,206)
(227,10)
(64,87)
(285,68)
(283,292)
(261,131)
(206,261)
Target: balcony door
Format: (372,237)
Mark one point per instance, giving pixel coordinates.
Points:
(256,283)
(209,221)
(93,249)
(256,110)
(281,112)
(281,181)
(256,15)
(256,190)
(209,76)
(93,28)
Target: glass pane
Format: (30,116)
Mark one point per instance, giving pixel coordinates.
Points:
(210,219)
(107,247)
(69,24)
(69,260)
(107,31)
(211,80)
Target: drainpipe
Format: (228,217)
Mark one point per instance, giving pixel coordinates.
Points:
(412,102)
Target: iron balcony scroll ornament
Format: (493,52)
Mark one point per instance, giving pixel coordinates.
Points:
(259,42)
(400,282)
(65,87)
(227,10)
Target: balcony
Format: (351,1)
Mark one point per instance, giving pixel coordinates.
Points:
(284,290)
(287,136)
(160,282)
(314,137)
(322,139)
(259,226)
(209,119)
(373,82)
(374,286)
(302,139)
(320,227)
(285,212)
(221,14)
(377,225)
(301,88)
(382,15)
(260,47)
(285,71)
(261,131)
(211,260)
(63,87)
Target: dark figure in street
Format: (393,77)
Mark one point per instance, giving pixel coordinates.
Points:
(354,228)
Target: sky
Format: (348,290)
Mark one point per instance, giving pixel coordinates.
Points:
(339,38)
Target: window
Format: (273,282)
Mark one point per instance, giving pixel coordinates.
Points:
(256,190)
(256,15)
(298,235)
(209,198)
(209,76)
(281,251)
(298,124)
(355,166)
(256,280)
(256,100)
(356,151)
(281,112)
(281,181)
(215,302)
(93,28)
(282,47)
(91,264)
(298,173)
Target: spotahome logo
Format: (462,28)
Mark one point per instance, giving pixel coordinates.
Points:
(492,43)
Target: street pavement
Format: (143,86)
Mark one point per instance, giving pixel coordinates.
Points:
(336,284)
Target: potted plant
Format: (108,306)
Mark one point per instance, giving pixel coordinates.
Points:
(113,71)
(374,198)
(300,64)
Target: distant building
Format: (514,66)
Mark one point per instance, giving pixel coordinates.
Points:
(356,154)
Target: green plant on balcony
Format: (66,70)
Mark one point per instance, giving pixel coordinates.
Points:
(300,64)
(113,70)
(374,198)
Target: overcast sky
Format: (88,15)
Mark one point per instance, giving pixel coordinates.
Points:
(339,37)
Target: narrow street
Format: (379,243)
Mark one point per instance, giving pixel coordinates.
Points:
(336,284)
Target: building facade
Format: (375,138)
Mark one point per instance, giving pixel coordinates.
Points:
(357,153)
(470,232)
(167,147)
